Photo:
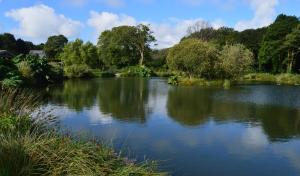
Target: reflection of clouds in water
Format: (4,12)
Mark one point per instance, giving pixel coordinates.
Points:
(291,151)
(158,103)
(94,115)
(254,138)
(97,117)
(243,141)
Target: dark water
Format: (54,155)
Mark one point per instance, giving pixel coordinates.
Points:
(246,130)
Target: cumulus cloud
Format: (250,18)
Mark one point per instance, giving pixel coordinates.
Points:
(264,12)
(167,33)
(38,22)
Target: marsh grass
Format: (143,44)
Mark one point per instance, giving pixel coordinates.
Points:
(30,146)
(286,79)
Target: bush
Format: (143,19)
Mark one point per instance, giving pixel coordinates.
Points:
(140,71)
(234,60)
(78,71)
(25,69)
(194,57)
(173,80)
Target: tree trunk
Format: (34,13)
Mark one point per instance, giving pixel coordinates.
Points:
(142,57)
(291,62)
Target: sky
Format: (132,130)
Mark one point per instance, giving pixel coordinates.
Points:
(36,20)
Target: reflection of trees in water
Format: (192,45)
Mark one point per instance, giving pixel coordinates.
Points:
(75,94)
(125,99)
(191,106)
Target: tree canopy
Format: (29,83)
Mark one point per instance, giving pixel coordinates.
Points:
(125,45)
(54,46)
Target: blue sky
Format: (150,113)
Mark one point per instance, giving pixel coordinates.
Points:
(35,20)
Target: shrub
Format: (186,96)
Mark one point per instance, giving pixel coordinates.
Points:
(173,80)
(234,60)
(77,71)
(194,57)
(140,71)
(25,69)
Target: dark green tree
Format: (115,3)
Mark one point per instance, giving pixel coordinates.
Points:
(125,45)
(54,46)
(292,47)
(271,55)
(8,42)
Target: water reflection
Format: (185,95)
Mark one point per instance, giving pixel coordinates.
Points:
(125,99)
(195,106)
(196,131)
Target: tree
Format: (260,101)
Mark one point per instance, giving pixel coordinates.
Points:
(292,46)
(22,47)
(142,40)
(54,46)
(125,45)
(271,56)
(115,48)
(198,27)
(79,58)
(193,57)
(8,42)
(252,39)
(234,60)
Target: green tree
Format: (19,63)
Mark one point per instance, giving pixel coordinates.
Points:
(142,39)
(292,46)
(193,57)
(79,58)
(252,39)
(125,45)
(271,56)
(8,42)
(55,45)
(22,47)
(234,61)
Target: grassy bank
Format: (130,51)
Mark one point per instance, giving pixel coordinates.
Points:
(285,79)
(260,78)
(30,147)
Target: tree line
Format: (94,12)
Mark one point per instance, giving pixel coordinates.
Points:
(203,52)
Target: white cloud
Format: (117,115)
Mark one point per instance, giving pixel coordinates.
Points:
(167,33)
(38,22)
(264,12)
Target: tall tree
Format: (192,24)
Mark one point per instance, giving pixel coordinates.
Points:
(55,45)
(142,40)
(271,56)
(292,47)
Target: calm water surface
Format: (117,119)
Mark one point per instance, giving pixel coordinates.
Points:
(246,130)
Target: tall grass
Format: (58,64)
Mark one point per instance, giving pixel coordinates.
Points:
(28,146)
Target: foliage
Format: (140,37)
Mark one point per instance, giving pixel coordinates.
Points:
(173,80)
(125,45)
(79,53)
(158,58)
(292,46)
(287,79)
(54,46)
(234,61)
(77,71)
(271,56)
(194,57)
(141,71)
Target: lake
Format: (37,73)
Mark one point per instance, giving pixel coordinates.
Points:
(245,130)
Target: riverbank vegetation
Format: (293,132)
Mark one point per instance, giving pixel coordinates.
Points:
(30,145)
(204,53)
